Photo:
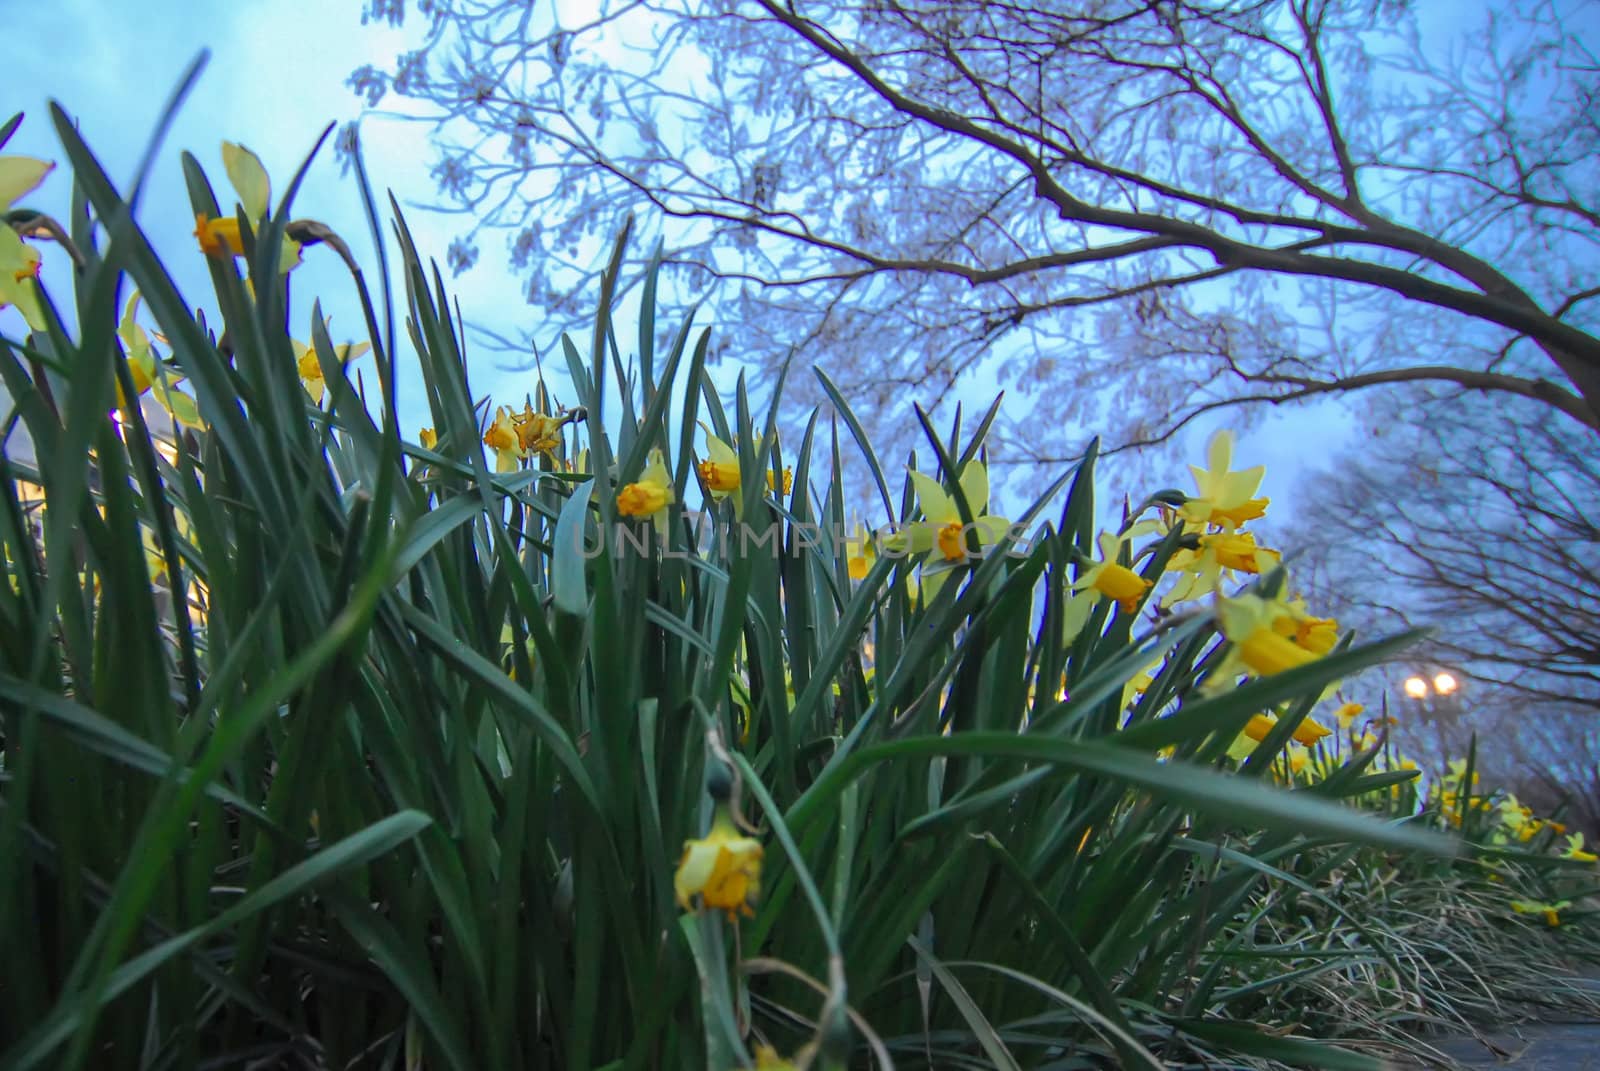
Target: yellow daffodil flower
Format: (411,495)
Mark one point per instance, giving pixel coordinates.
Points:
(220,237)
(721,871)
(719,472)
(501,437)
(860,550)
(1225,498)
(1575,852)
(1268,636)
(19,261)
(767,1059)
(1219,552)
(1317,634)
(1550,911)
(1140,683)
(1111,579)
(305,359)
(941,531)
(142,368)
(1308,732)
(650,495)
(1347,714)
(428,438)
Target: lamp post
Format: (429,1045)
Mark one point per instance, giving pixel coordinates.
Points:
(1437,698)
(1435,695)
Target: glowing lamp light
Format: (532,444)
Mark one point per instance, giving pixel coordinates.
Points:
(1417,688)
(1444,684)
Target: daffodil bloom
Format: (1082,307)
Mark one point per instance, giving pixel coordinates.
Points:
(19,261)
(1296,757)
(1316,634)
(650,495)
(1575,850)
(1308,732)
(538,433)
(310,369)
(1260,644)
(428,438)
(861,550)
(1550,911)
(941,530)
(220,237)
(767,1059)
(1458,772)
(1225,498)
(501,437)
(1110,578)
(1218,552)
(142,369)
(1347,714)
(1140,683)
(721,871)
(719,472)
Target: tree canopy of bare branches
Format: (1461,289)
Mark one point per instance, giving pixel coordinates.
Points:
(1487,528)
(1129,211)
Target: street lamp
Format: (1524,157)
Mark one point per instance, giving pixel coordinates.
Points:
(1436,695)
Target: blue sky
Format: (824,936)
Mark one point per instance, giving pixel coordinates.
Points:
(275,78)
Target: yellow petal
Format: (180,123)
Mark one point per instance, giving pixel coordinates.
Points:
(19,176)
(248,177)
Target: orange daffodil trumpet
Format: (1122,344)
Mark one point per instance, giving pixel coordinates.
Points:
(719,472)
(220,237)
(649,495)
(19,261)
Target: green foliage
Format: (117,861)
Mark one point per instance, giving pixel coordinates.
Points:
(324,747)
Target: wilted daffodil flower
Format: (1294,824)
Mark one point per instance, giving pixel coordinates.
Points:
(19,261)
(220,238)
(539,433)
(649,495)
(941,530)
(720,871)
(1225,497)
